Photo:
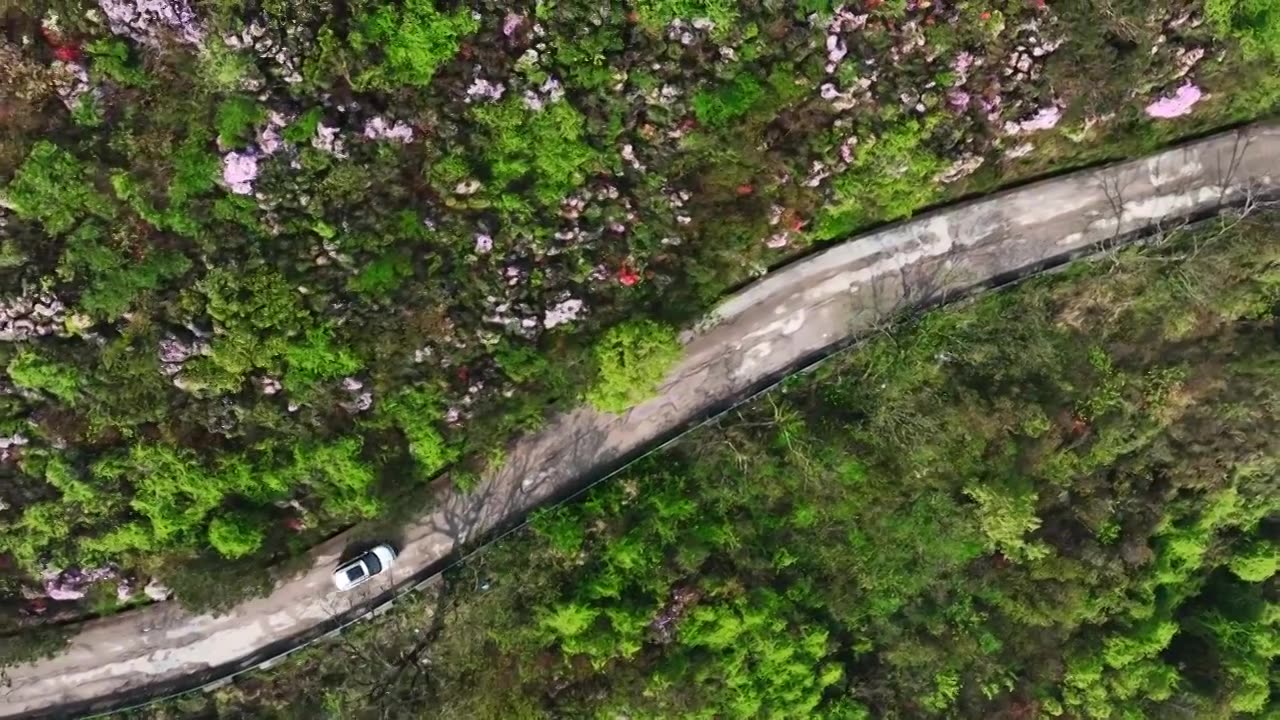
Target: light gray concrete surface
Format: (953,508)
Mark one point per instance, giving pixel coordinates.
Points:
(786,319)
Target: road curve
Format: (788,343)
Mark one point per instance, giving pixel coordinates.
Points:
(774,326)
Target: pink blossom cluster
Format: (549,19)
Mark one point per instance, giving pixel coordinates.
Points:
(73,83)
(961,66)
(377,128)
(1179,104)
(511,23)
(482,89)
(843,21)
(1045,118)
(550,92)
(239,170)
(328,140)
(271,137)
(958,99)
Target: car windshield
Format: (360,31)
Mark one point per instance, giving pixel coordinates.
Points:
(355,572)
(371,560)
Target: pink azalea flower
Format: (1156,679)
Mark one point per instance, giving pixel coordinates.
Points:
(239,170)
(1184,98)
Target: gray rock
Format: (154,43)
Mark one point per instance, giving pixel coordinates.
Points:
(157,591)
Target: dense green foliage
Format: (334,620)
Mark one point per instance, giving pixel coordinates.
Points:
(235,119)
(1255,22)
(415,39)
(719,107)
(234,536)
(55,189)
(1061,500)
(863,194)
(271,267)
(29,370)
(633,358)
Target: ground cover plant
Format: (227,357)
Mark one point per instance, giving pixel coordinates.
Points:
(269,266)
(1058,501)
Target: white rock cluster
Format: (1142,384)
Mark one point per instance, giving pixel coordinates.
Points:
(10,447)
(32,316)
(360,399)
(256,39)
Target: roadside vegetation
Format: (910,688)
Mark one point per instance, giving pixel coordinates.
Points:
(1060,500)
(269,269)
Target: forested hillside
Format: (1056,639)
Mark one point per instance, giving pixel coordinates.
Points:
(269,266)
(1061,500)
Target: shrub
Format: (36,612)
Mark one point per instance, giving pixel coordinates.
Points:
(54,188)
(235,119)
(1257,562)
(415,39)
(304,127)
(1255,23)
(87,112)
(222,68)
(315,359)
(890,177)
(235,535)
(416,411)
(31,370)
(111,59)
(195,170)
(61,475)
(1006,519)
(522,363)
(547,149)
(718,108)
(632,358)
(381,277)
(43,531)
(112,279)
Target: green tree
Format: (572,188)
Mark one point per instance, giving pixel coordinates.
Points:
(1257,562)
(1255,23)
(632,358)
(1006,519)
(656,15)
(317,358)
(547,150)
(417,413)
(235,119)
(720,107)
(235,535)
(414,38)
(891,176)
(52,186)
(32,370)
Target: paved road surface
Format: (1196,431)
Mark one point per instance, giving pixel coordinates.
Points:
(787,319)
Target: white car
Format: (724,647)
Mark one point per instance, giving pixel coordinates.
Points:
(358,570)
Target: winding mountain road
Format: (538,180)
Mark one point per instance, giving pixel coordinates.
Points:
(786,320)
